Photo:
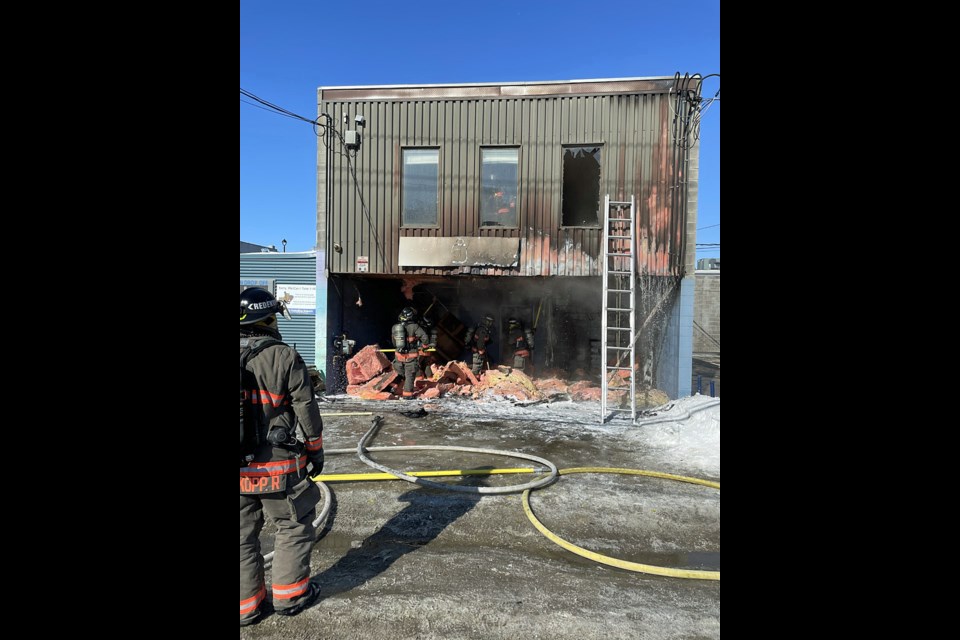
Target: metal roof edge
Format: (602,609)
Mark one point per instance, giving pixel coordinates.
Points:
(492,84)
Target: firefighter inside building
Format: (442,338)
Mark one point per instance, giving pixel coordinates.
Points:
(477,339)
(276,400)
(411,343)
(503,202)
(520,340)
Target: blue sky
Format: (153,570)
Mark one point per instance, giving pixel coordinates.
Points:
(290,48)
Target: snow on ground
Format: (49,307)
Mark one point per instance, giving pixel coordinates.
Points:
(688,434)
(683,434)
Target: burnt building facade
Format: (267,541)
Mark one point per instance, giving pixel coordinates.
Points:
(473,199)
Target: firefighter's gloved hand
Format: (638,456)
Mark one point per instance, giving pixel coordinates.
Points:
(403,350)
(315,460)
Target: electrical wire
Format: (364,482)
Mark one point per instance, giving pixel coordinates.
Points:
(689,107)
(278,109)
(320,131)
(267,109)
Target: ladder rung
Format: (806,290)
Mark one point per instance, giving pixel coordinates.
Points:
(610,250)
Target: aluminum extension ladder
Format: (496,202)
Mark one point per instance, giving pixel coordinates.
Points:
(619,305)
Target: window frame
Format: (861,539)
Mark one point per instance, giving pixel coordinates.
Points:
(480,224)
(563,150)
(436,225)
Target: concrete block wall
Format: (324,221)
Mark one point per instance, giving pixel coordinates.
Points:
(706,331)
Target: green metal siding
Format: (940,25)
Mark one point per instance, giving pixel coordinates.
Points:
(638,158)
(288,268)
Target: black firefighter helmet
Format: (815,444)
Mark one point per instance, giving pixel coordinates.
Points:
(257,304)
(408,314)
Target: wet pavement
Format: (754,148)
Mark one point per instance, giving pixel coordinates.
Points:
(399,561)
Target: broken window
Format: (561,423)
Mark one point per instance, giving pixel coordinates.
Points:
(581,186)
(498,190)
(420,188)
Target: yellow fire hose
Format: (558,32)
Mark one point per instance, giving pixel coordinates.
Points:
(361,477)
(411,476)
(613,562)
(355,413)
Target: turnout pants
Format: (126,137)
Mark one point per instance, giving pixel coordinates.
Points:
(293,512)
(479,358)
(408,370)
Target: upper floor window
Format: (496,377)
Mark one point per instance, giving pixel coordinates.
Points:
(581,186)
(499,186)
(420,188)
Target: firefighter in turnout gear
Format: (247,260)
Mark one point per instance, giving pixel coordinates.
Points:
(411,342)
(520,340)
(476,339)
(427,361)
(274,472)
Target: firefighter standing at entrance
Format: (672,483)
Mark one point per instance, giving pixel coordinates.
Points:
(274,478)
(520,340)
(476,340)
(411,342)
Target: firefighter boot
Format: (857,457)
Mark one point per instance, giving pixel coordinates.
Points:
(305,601)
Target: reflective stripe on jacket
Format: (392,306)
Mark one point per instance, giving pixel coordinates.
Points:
(284,396)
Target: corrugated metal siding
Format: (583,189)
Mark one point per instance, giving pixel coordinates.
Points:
(288,268)
(637,159)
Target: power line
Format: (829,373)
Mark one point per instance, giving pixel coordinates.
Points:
(708,244)
(266,109)
(709,227)
(276,108)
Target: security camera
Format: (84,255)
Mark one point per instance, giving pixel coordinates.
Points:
(361,121)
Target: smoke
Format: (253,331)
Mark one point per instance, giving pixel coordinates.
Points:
(566,313)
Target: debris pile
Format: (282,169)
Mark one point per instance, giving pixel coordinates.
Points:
(370,376)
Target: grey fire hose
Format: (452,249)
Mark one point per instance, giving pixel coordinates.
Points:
(535,484)
(361,448)
(325,490)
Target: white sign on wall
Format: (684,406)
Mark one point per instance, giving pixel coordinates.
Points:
(363,264)
(301,299)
